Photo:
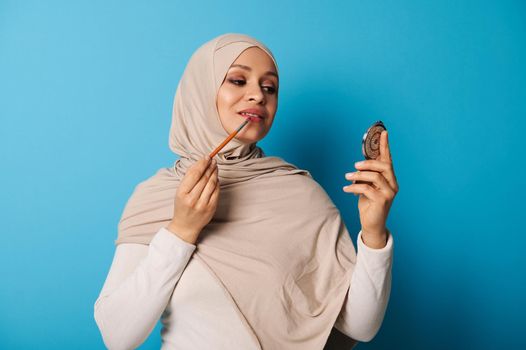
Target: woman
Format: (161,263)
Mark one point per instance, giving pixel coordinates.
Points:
(243,251)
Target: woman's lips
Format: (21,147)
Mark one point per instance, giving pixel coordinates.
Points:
(252,117)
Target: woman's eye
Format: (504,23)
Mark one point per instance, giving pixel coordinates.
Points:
(270,89)
(240,82)
(237,81)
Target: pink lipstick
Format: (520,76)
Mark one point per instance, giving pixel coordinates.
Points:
(252,118)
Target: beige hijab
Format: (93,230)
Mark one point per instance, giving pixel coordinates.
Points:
(277,243)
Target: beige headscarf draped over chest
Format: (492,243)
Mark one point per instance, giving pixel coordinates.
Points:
(277,243)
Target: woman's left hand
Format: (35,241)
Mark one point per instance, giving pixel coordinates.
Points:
(377,195)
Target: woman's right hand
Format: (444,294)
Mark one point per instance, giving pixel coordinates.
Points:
(195,200)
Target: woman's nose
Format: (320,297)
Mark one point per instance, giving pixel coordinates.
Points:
(256,94)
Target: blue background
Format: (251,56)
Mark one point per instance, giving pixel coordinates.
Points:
(86,91)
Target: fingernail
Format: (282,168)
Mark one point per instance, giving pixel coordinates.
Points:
(349,175)
(358,163)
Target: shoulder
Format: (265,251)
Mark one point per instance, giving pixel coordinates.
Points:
(299,187)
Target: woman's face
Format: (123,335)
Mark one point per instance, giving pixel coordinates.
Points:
(251,83)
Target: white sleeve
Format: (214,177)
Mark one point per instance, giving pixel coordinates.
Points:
(138,287)
(366,301)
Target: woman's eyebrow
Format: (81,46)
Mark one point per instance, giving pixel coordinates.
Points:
(249,69)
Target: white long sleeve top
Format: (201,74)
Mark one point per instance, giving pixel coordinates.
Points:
(161,280)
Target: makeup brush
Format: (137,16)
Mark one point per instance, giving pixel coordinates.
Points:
(230,137)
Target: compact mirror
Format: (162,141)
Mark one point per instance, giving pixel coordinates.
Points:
(371,140)
(371,143)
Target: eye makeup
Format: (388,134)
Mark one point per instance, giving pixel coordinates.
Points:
(271,89)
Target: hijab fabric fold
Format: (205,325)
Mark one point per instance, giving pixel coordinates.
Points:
(277,244)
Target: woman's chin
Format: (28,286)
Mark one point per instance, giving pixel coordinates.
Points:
(248,140)
(249,137)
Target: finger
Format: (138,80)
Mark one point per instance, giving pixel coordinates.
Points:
(367,190)
(376,179)
(193,175)
(196,190)
(387,146)
(215,194)
(209,188)
(384,168)
(200,185)
(385,154)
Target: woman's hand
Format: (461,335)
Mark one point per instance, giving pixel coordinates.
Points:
(195,200)
(377,195)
